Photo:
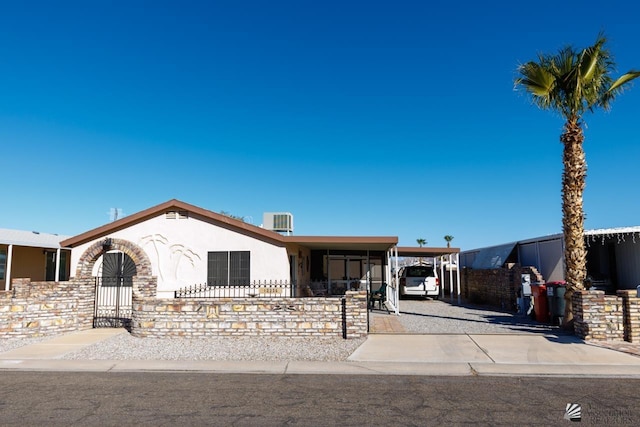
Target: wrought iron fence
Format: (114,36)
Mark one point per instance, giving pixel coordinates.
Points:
(266,289)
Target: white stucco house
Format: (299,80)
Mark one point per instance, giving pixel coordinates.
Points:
(187,245)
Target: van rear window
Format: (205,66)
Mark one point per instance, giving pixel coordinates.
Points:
(419,271)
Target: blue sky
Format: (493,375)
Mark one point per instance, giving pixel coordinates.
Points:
(360,118)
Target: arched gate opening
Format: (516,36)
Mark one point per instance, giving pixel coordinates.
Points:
(113,264)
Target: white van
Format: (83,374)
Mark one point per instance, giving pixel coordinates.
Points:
(419,280)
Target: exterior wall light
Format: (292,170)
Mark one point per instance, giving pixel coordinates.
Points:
(106,244)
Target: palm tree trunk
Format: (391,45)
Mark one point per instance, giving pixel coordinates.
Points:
(573,183)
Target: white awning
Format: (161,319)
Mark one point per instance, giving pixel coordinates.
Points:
(33,239)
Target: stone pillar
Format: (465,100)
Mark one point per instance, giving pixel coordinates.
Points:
(145,286)
(21,287)
(631,316)
(356,313)
(597,316)
(86,292)
(588,315)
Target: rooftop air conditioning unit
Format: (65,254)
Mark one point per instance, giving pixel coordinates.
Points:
(280,222)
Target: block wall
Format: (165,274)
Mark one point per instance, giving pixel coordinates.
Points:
(495,287)
(32,309)
(301,317)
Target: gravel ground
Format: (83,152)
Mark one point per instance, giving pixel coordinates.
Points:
(127,347)
(7,344)
(442,317)
(416,316)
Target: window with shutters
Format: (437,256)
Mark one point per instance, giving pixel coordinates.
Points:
(229,268)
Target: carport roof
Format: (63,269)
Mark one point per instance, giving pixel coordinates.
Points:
(373,243)
(407,251)
(33,239)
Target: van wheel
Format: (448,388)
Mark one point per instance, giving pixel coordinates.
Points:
(436,297)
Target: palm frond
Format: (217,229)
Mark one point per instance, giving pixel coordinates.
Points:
(535,79)
(564,62)
(589,60)
(624,79)
(615,88)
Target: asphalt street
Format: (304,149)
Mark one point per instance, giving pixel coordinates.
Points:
(198,399)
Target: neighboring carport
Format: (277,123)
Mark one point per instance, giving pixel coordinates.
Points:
(31,254)
(446,259)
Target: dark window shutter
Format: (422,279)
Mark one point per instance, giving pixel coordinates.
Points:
(218,268)
(240,268)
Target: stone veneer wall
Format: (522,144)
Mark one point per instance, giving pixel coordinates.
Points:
(631,315)
(32,309)
(204,317)
(145,286)
(495,287)
(597,316)
(601,317)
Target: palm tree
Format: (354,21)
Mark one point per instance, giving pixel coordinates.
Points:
(448,239)
(421,242)
(571,83)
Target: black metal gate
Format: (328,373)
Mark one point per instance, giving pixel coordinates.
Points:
(114,291)
(113,303)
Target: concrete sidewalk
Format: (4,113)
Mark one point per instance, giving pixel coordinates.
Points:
(380,354)
(61,344)
(498,354)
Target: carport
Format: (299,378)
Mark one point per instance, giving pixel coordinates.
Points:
(446,260)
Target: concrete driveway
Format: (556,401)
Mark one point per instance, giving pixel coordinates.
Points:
(489,340)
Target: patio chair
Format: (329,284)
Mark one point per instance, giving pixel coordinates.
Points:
(318,289)
(379,296)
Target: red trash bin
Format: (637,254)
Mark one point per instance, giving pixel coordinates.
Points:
(540,304)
